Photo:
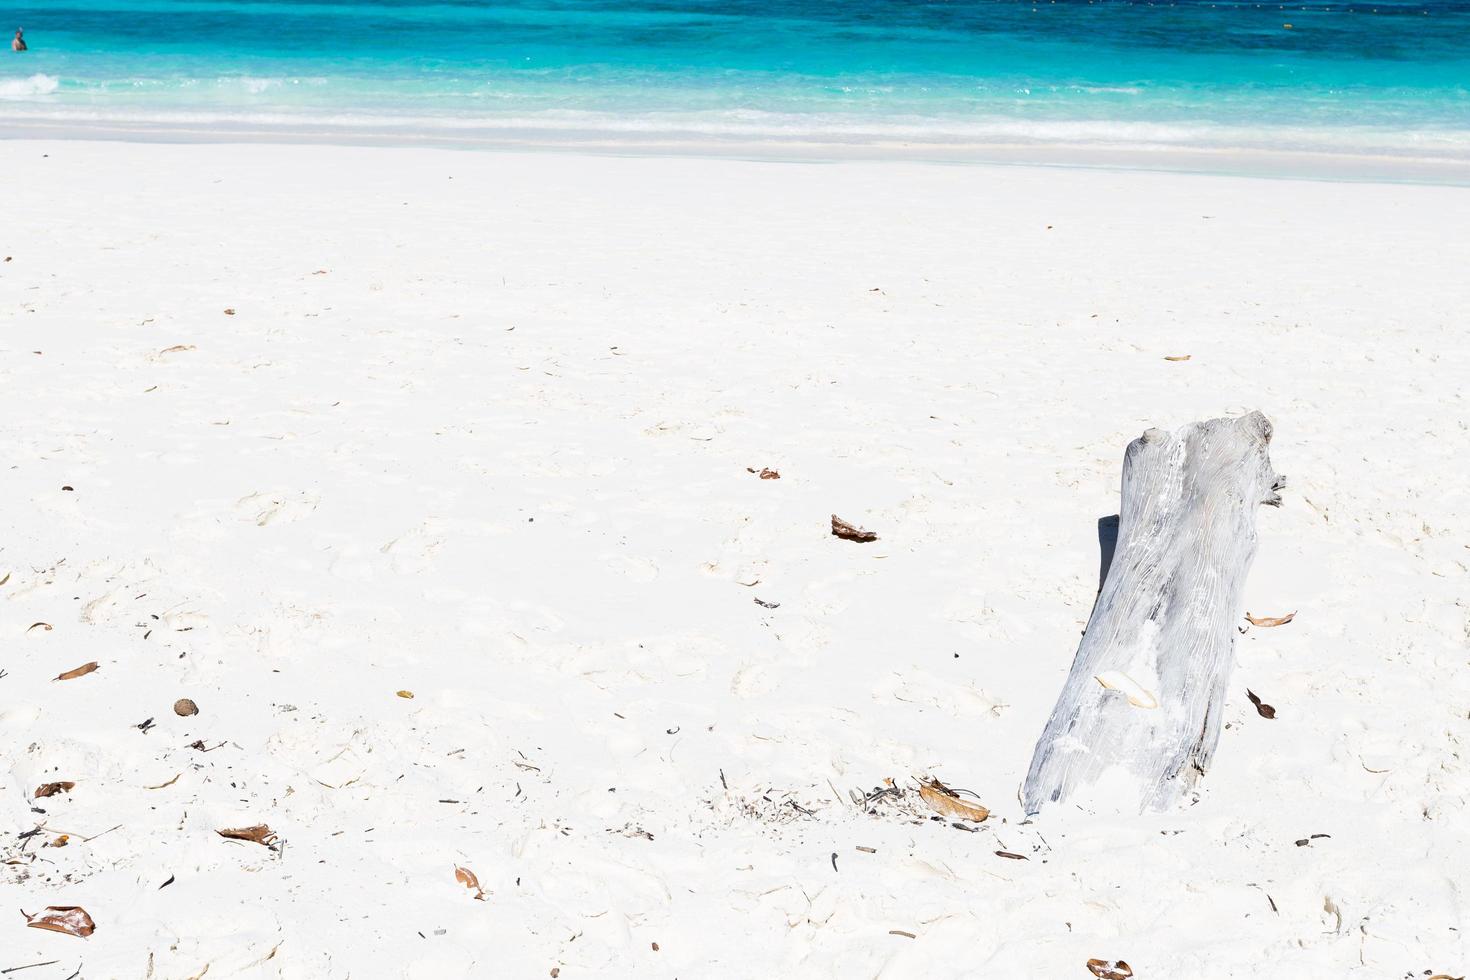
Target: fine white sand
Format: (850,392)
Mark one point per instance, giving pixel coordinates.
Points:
(478,429)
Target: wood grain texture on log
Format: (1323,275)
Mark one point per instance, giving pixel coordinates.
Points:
(1139,715)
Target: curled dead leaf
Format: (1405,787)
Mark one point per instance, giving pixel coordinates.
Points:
(230,311)
(51,789)
(467,878)
(165,785)
(408,695)
(945,801)
(76,672)
(60,841)
(764,473)
(70,919)
(5,579)
(45,626)
(1262,709)
(183,707)
(259,834)
(1270,620)
(851,532)
(1110,969)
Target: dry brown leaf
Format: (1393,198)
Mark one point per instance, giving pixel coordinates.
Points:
(70,919)
(183,707)
(5,579)
(176,348)
(1110,969)
(467,878)
(45,626)
(165,785)
(408,695)
(945,801)
(51,789)
(851,532)
(230,311)
(60,841)
(764,473)
(76,672)
(259,834)
(1179,357)
(1262,709)
(1270,620)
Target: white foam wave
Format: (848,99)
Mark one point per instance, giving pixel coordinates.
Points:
(22,88)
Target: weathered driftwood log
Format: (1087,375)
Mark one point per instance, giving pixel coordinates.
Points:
(1139,716)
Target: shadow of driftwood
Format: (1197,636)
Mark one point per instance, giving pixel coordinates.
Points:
(1107,543)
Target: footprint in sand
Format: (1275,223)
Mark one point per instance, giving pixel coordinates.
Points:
(640,570)
(280,507)
(413,552)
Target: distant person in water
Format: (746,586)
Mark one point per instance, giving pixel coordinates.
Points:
(19,44)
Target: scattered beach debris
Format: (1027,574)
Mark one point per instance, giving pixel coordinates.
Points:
(229,311)
(768,605)
(943,800)
(176,348)
(258,834)
(76,672)
(144,725)
(902,932)
(72,920)
(867,850)
(467,878)
(1177,357)
(51,789)
(1305,841)
(406,695)
(1270,620)
(45,626)
(184,707)
(1110,969)
(764,473)
(1262,709)
(851,532)
(1012,855)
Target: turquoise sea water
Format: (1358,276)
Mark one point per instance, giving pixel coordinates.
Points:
(1384,78)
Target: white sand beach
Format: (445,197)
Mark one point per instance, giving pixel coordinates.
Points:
(289,430)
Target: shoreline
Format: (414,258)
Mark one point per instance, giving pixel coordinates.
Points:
(1287,164)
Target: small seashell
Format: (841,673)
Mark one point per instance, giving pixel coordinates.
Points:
(1138,696)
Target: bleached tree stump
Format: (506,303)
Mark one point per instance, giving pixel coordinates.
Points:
(1139,716)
